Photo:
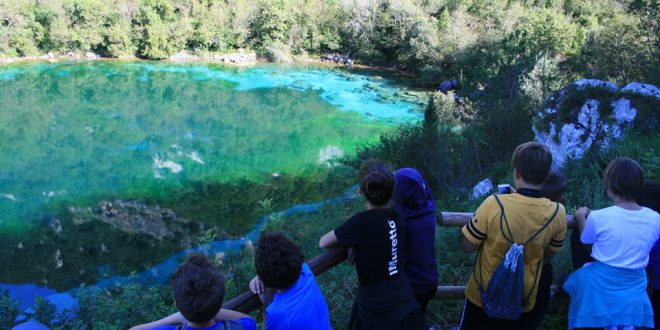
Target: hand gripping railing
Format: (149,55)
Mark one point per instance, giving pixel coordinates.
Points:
(248,301)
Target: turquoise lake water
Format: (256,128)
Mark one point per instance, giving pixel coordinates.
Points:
(89,149)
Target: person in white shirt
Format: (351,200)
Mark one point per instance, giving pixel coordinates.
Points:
(611,291)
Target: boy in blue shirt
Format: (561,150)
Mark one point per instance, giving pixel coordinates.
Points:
(287,287)
(198,294)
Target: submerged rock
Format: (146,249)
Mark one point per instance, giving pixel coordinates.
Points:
(195,157)
(167,164)
(135,217)
(10,197)
(329,155)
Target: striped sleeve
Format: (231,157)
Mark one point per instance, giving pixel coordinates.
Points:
(558,238)
(475,230)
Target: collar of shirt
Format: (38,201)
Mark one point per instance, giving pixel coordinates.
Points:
(534,193)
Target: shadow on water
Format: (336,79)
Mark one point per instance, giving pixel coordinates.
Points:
(115,237)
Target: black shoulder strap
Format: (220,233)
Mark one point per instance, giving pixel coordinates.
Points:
(504,220)
(546,224)
(538,266)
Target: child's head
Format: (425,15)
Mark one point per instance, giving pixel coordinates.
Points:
(554,186)
(410,189)
(650,196)
(198,289)
(278,260)
(624,178)
(532,161)
(376,182)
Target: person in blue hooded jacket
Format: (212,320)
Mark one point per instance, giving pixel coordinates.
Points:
(414,203)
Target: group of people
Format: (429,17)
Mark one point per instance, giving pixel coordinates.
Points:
(392,245)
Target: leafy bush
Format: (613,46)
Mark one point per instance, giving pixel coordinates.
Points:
(123,306)
(8,310)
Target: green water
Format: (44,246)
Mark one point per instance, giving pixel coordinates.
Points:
(206,142)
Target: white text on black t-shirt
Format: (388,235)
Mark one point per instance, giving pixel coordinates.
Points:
(393,261)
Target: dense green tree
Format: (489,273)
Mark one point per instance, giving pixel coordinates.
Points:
(17,29)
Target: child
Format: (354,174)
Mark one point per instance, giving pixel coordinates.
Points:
(527,212)
(650,198)
(611,291)
(553,189)
(414,203)
(385,298)
(198,294)
(287,287)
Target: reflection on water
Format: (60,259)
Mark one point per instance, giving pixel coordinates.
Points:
(111,167)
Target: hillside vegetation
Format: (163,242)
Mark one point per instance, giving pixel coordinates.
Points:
(510,57)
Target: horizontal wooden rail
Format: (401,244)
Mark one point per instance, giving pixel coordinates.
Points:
(459,219)
(248,301)
(458,292)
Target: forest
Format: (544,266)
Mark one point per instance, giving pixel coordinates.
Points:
(510,57)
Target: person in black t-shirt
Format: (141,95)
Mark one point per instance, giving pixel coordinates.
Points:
(385,298)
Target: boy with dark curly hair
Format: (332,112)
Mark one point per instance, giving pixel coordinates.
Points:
(286,286)
(198,294)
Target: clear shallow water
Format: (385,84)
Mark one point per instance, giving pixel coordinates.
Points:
(205,143)
(72,131)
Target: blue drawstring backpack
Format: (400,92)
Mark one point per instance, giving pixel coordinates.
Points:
(503,298)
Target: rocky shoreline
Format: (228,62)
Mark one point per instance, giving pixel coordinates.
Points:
(238,58)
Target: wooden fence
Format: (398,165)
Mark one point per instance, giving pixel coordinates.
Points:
(248,301)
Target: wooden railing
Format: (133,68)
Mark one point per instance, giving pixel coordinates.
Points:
(248,301)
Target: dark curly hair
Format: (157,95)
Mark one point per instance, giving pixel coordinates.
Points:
(198,289)
(376,182)
(278,260)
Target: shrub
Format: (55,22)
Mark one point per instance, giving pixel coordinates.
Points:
(8,310)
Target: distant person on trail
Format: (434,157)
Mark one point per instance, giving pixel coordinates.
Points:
(385,298)
(553,189)
(198,294)
(287,287)
(414,203)
(512,233)
(611,291)
(650,198)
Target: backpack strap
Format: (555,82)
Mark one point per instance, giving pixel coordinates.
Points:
(544,226)
(477,259)
(504,220)
(538,266)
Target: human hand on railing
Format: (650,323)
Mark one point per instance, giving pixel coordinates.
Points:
(257,286)
(582,213)
(581,218)
(175,318)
